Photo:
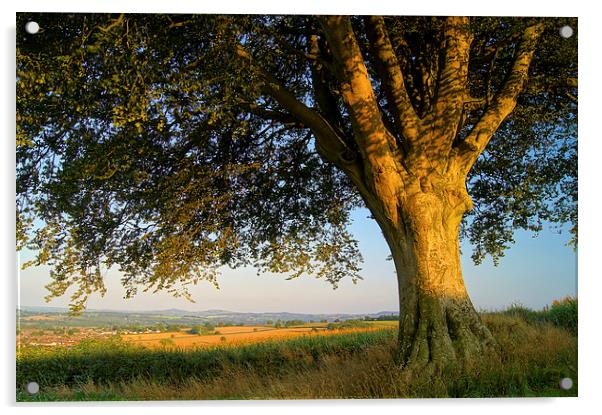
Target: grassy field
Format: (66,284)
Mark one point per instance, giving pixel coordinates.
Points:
(535,353)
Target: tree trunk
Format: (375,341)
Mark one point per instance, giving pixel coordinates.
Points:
(413,180)
(438,324)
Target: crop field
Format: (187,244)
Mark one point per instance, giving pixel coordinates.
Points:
(239,335)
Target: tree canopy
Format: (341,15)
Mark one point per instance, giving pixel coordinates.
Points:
(172,145)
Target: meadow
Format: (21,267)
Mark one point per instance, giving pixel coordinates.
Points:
(536,350)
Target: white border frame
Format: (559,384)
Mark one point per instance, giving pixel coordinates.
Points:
(589,173)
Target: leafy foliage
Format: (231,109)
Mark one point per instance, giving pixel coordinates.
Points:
(145,142)
(528,173)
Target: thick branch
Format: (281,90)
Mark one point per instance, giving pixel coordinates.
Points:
(327,103)
(503,102)
(378,147)
(356,90)
(271,115)
(404,117)
(329,143)
(451,91)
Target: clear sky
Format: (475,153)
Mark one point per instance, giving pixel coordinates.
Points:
(534,272)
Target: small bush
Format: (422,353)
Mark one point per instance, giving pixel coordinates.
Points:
(195,330)
(564,313)
(166,342)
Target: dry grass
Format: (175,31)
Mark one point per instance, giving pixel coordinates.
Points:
(532,359)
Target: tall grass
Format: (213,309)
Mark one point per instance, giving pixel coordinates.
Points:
(533,356)
(112,360)
(562,313)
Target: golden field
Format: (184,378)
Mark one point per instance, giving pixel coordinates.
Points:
(239,335)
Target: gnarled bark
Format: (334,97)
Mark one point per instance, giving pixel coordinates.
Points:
(438,324)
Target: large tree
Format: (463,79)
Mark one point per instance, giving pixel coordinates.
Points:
(169,146)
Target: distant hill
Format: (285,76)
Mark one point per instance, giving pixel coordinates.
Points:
(177,316)
(43,309)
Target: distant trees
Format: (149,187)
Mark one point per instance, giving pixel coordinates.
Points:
(207,328)
(347,324)
(287,323)
(136,328)
(173,327)
(196,330)
(161,327)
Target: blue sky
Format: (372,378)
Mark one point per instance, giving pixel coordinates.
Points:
(534,272)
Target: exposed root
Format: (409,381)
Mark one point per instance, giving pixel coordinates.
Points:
(443,332)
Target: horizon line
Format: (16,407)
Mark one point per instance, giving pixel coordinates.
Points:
(206,310)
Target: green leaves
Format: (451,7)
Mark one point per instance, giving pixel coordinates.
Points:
(526,178)
(135,153)
(144,143)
